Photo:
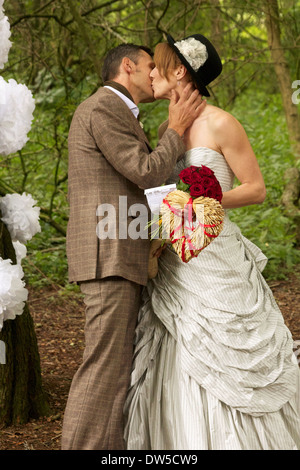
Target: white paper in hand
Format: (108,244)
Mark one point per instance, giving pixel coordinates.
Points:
(156,195)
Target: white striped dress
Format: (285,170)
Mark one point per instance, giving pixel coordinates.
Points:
(214,367)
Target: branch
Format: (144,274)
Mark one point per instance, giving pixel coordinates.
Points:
(85,36)
(44,6)
(46,218)
(29,16)
(97,7)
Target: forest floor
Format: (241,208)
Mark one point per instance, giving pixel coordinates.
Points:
(59,324)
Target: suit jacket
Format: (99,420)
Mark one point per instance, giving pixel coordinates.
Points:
(109,157)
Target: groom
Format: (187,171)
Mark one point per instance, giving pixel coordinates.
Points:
(109,156)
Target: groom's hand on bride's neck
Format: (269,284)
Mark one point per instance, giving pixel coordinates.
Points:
(184,109)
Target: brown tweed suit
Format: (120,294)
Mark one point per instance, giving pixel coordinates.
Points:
(109,156)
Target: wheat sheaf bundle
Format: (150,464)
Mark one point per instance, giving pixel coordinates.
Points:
(178,208)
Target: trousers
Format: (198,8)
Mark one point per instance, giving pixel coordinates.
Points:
(93,418)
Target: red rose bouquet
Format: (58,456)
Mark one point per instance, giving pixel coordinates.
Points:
(200,181)
(190,216)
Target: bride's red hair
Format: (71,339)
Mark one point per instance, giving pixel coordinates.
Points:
(165,59)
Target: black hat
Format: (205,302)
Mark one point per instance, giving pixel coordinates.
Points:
(203,63)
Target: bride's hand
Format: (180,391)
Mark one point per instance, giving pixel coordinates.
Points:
(159,251)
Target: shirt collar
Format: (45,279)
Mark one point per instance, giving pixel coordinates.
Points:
(131,105)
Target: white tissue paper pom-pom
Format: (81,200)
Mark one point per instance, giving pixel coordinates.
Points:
(20,250)
(20,217)
(13,294)
(5,43)
(16,115)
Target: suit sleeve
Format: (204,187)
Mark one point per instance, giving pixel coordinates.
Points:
(162,129)
(117,138)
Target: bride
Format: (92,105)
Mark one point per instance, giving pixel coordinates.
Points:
(214,366)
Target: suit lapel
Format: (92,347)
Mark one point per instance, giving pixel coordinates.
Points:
(129,115)
(142,134)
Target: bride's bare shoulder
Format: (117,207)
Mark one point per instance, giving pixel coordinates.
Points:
(219,120)
(214,114)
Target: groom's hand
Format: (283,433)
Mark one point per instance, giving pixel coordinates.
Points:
(185,109)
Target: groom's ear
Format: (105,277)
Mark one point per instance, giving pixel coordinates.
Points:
(128,65)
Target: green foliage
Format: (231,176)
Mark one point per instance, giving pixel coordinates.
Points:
(46,263)
(266,225)
(181,186)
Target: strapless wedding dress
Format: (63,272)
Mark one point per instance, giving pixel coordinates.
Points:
(214,366)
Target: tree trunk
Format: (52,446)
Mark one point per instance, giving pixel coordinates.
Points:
(290,197)
(21,393)
(84,33)
(283,74)
(216,25)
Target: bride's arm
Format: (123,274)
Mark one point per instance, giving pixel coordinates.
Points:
(233,142)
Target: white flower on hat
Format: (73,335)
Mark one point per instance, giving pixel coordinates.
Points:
(193,51)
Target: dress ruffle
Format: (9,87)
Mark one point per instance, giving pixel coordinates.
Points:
(214,365)
(238,348)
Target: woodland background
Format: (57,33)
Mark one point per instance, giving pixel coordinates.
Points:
(58,49)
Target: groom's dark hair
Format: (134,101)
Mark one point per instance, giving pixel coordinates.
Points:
(113,59)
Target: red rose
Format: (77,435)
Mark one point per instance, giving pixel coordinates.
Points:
(205,171)
(208,182)
(196,177)
(193,168)
(202,182)
(215,192)
(197,190)
(210,193)
(186,174)
(219,194)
